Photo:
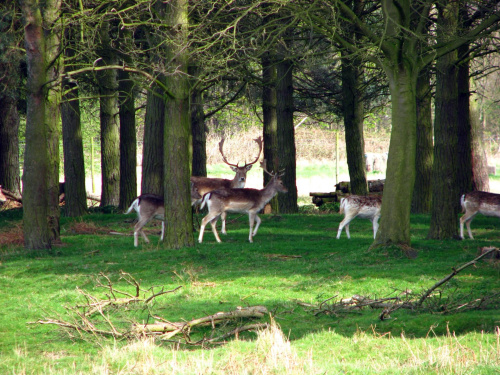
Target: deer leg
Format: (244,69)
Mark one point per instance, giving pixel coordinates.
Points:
(467,219)
(251,218)
(213,223)
(138,229)
(223,218)
(162,229)
(345,223)
(258,220)
(204,223)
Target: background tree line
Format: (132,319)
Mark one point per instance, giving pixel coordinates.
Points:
(189,60)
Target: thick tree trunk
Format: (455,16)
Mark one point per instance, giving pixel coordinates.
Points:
(398,189)
(152,147)
(480,177)
(128,140)
(110,131)
(176,184)
(445,191)
(352,107)
(287,203)
(74,166)
(36,160)
(421,201)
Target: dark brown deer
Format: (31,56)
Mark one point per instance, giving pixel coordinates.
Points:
(365,207)
(249,201)
(478,202)
(152,206)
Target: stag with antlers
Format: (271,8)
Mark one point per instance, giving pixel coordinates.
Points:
(248,201)
(207,184)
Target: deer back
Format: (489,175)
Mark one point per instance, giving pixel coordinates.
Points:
(363,206)
(485,203)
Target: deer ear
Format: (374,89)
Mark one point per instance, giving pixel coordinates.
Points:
(234,169)
(249,167)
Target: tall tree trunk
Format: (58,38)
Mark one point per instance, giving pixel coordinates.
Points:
(176,184)
(445,193)
(74,165)
(152,147)
(398,189)
(421,201)
(128,140)
(287,203)
(198,129)
(110,132)
(51,15)
(353,113)
(9,127)
(270,118)
(464,125)
(36,157)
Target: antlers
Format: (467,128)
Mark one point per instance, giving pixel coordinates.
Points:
(272,174)
(221,144)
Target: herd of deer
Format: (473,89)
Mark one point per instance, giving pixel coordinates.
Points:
(221,196)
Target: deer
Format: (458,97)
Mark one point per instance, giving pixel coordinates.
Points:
(249,201)
(365,207)
(152,206)
(3,198)
(208,184)
(478,202)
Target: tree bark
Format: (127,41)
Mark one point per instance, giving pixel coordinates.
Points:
(152,147)
(198,129)
(110,132)
(480,177)
(128,140)
(445,193)
(36,159)
(74,165)
(177,184)
(422,192)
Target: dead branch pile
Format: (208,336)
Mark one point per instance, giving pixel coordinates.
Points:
(438,304)
(94,317)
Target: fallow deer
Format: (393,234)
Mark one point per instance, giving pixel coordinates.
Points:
(152,206)
(478,202)
(3,198)
(249,201)
(207,184)
(365,207)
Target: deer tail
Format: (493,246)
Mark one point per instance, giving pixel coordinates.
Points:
(205,199)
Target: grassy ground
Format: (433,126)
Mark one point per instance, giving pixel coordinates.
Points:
(294,265)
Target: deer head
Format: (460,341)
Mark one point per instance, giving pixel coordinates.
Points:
(241,172)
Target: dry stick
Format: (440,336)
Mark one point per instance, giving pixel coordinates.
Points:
(450,276)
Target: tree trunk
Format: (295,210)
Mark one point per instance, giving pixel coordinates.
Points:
(128,140)
(110,132)
(36,159)
(152,147)
(9,127)
(74,165)
(176,184)
(464,126)
(421,201)
(287,203)
(352,108)
(398,189)
(198,130)
(270,126)
(480,177)
(445,193)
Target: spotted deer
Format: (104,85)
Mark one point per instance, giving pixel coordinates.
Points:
(249,201)
(478,202)
(152,206)
(365,207)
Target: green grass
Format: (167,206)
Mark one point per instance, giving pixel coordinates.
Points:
(220,277)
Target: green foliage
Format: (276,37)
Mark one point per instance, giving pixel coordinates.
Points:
(330,207)
(294,258)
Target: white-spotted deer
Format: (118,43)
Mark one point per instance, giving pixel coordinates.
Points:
(152,206)
(3,198)
(365,207)
(478,202)
(249,201)
(207,184)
